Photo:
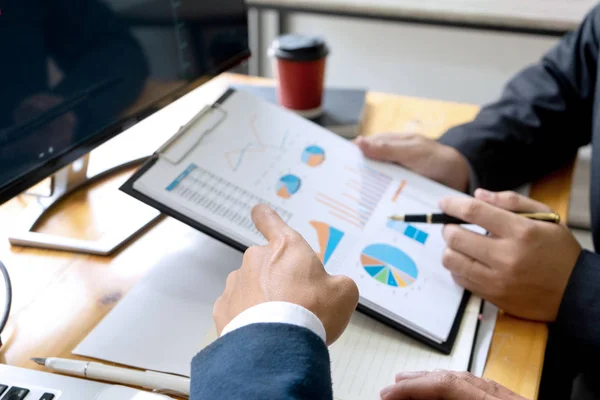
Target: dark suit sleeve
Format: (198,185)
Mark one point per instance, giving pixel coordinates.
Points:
(263,361)
(574,338)
(579,314)
(543,116)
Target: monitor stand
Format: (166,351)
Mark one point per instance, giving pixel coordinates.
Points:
(64,183)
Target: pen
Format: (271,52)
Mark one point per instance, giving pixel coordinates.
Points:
(159,382)
(447,219)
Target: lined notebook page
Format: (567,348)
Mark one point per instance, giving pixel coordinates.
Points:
(369,354)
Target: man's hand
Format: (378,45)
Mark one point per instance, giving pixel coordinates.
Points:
(523,266)
(286,269)
(426,157)
(445,385)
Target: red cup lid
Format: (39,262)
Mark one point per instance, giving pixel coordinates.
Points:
(295,47)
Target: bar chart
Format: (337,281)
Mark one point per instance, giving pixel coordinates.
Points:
(408,230)
(222,198)
(359,197)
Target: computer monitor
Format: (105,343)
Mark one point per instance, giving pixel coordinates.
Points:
(75,73)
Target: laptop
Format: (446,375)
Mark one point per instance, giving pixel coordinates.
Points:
(24,384)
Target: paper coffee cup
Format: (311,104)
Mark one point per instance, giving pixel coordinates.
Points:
(299,64)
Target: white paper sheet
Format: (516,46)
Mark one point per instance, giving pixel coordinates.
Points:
(369,354)
(485,334)
(161,323)
(324,188)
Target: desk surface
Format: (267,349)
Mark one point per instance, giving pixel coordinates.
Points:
(59,297)
(527,15)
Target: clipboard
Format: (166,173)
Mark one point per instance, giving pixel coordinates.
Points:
(128,187)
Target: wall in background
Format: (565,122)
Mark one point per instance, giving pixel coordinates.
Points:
(417,60)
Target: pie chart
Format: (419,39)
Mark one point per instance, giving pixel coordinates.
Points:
(329,239)
(389,265)
(287,186)
(313,156)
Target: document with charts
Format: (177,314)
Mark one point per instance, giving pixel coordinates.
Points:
(245,151)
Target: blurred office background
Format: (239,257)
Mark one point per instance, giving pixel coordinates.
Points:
(450,63)
(453,63)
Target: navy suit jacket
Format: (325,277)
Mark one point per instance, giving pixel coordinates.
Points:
(263,361)
(544,115)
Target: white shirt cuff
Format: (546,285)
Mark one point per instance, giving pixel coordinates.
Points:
(277,312)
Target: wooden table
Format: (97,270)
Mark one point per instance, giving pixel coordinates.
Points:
(59,297)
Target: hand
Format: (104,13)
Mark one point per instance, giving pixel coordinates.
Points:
(426,157)
(445,385)
(523,266)
(286,269)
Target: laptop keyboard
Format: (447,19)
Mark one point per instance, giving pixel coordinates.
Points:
(19,393)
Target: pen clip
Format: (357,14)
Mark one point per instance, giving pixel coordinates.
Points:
(171,392)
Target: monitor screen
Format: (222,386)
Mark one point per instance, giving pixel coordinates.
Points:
(74,72)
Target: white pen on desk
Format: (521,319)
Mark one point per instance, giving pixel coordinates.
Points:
(159,382)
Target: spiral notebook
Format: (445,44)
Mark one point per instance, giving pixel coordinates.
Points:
(242,151)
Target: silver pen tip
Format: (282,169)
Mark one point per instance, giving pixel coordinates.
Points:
(40,361)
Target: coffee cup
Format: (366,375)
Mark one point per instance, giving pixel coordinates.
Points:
(299,64)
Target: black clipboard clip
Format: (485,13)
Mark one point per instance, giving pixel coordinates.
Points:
(203,114)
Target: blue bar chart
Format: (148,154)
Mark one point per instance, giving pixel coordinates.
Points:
(408,231)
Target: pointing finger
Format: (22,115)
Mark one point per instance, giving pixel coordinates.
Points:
(474,287)
(386,147)
(487,385)
(511,201)
(459,264)
(268,222)
(470,243)
(493,219)
(401,376)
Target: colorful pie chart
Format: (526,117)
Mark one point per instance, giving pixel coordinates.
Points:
(288,186)
(313,156)
(329,239)
(389,265)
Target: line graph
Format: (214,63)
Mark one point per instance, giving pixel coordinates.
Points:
(235,157)
(400,188)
